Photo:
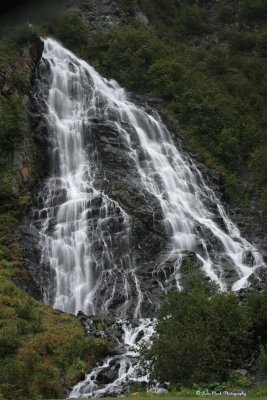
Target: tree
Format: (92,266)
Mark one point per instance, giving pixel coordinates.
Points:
(200,337)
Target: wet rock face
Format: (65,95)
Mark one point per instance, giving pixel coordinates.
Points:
(36,50)
(119,179)
(36,158)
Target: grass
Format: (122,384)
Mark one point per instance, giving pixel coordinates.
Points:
(174,396)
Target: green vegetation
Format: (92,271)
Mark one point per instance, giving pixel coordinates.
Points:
(207,62)
(200,338)
(204,335)
(43,352)
(71,30)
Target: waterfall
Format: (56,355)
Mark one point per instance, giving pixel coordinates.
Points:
(87,234)
(90,239)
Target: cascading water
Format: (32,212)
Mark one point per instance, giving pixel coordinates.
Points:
(90,238)
(86,234)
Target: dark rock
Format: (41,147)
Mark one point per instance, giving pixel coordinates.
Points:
(119,350)
(258,279)
(106,376)
(142,18)
(36,50)
(241,372)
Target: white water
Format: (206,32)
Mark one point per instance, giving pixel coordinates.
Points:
(128,364)
(86,236)
(89,227)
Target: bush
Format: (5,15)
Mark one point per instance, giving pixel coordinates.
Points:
(192,20)
(228,150)
(252,10)
(262,363)
(165,78)
(12,123)
(259,391)
(130,54)
(217,60)
(22,35)
(199,338)
(71,30)
(257,306)
(231,187)
(258,164)
(261,43)
(264,198)
(239,40)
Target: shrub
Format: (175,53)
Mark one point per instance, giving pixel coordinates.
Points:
(253,9)
(217,60)
(12,123)
(130,54)
(192,20)
(228,149)
(261,43)
(239,40)
(257,306)
(199,338)
(262,362)
(165,78)
(258,164)
(23,34)
(264,198)
(232,187)
(71,30)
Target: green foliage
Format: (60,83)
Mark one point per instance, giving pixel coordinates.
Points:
(130,54)
(217,60)
(12,123)
(166,78)
(39,347)
(199,338)
(232,187)
(252,10)
(23,34)
(128,7)
(260,391)
(258,163)
(71,30)
(264,198)
(261,45)
(191,20)
(239,382)
(257,306)
(262,362)
(239,40)
(193,278)
(225,12)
